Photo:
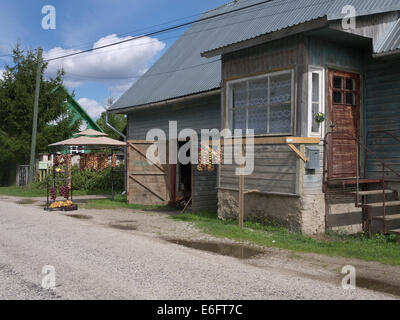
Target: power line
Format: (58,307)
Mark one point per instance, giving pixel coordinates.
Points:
(190,33)
(160,31)
(186,34)
(82,45)
(146,75)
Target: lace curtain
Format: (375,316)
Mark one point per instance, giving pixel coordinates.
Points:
(263,105)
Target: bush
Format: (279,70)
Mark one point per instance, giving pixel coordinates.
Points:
(90,180)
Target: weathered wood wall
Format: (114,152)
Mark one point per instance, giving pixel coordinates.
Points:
(274,171)
(201,113)
(382,112)
(275,165)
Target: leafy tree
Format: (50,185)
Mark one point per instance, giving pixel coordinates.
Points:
(17,91)
(118,121)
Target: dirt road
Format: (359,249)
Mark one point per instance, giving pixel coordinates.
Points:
(122,254)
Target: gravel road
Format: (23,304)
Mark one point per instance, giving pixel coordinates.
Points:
(96,261)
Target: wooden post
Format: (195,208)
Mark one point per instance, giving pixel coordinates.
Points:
(241,191)
(66,167)
(35,116)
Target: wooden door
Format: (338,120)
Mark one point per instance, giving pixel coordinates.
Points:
(344,119)
(148,182)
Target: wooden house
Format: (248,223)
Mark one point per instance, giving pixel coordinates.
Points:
(283,62)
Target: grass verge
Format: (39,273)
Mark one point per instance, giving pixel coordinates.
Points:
(379,248)
(118,203)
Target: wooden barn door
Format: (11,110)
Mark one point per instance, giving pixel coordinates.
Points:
(344,117)
(148,182)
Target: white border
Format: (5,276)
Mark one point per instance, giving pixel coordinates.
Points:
(321,72)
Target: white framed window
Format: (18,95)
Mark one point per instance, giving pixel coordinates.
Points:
(263,103)
(316,100)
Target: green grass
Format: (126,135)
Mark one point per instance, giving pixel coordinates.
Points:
(118,203)
(378,248)
(31,192)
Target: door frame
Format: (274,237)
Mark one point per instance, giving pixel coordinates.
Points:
(329,113)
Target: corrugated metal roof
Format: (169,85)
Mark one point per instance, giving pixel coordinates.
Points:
(280,14)
(266,18)
(391,41)
(181,71)
(363,7)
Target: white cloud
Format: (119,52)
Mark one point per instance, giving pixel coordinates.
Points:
(92,107)
(114,66)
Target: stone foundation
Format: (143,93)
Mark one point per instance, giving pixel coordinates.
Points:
(304,214)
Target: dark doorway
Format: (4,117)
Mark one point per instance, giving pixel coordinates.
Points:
(185,173)
(183,184)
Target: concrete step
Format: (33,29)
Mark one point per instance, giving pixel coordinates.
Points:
(371,192)
(391,217)
(380,204)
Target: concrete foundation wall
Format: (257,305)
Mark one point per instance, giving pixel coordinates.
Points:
(304,214)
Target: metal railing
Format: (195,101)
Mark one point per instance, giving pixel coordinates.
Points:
(368,151)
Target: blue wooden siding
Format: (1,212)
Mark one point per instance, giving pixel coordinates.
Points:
(329,54)
(382,112)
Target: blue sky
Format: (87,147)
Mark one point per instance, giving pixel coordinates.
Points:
(81,24)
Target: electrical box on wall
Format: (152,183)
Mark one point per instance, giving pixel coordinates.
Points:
(313,155)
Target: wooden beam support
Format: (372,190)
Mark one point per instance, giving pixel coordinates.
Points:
(147,188)
(299,153)
(144,156)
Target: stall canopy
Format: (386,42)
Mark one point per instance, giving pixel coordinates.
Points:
(90,138)
(93,140)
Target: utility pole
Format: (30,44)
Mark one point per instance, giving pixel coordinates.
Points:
(35,115)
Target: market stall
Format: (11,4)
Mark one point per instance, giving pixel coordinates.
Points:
(97,152)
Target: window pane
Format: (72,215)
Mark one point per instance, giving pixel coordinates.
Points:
(337,97)
(280,114)
(350,98)
(239,101)
(258,100)
(239,95)
(280,118)
(338,82)
(315,124)
(281,88)
(350,84)
(315,87)
(239,119)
